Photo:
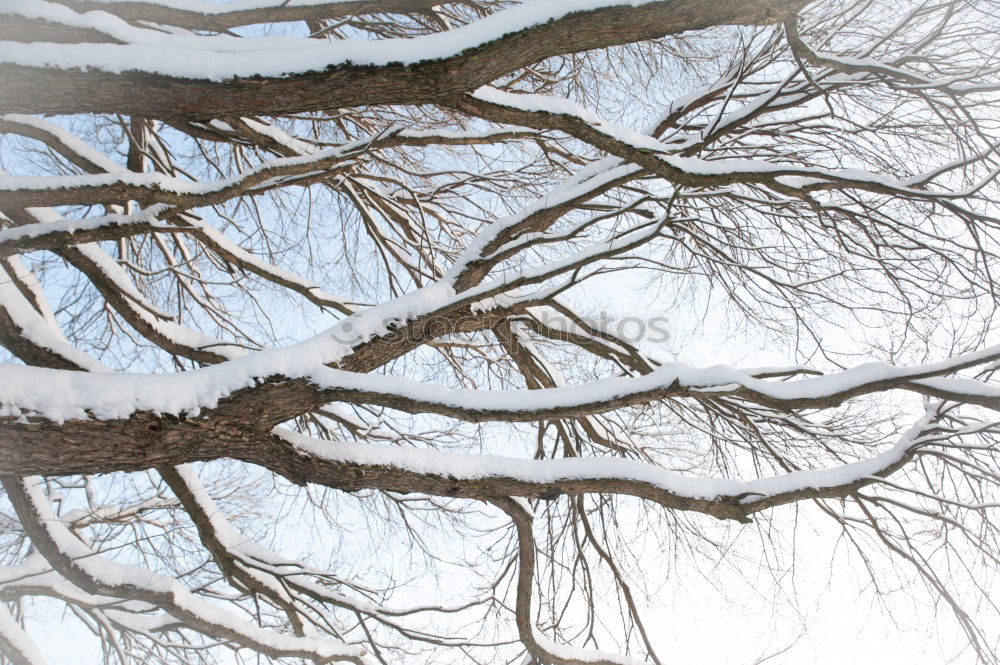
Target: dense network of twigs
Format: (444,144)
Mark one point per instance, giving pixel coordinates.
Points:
(304,361)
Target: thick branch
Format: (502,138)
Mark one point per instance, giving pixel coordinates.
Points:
(35,89)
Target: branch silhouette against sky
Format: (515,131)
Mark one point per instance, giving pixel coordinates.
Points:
(306,315)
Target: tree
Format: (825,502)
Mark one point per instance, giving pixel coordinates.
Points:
(334,268)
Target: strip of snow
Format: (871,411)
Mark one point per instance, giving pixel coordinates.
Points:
(572,654)
(38,330)
(21,648)
(35,573)
(61,395)
(68,138)
(157,319)
(28,279)
(67,395)
(278,135)
(269,568)
(163,325)
(592,177)
(260,266)
(213,8)
(220,57)
(159,181)
(788,175)
(961,385)
(563,106)
(34,570)
(178,597)
(65,225)
(482,293)
(475,467)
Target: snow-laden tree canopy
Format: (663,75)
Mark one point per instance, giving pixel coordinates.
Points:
(304,308)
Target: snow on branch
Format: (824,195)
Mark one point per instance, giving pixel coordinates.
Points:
(294,285)
(61,395)
(97,574)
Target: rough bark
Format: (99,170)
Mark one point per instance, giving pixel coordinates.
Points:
(44,90)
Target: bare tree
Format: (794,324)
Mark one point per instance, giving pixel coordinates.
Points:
(299,299)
